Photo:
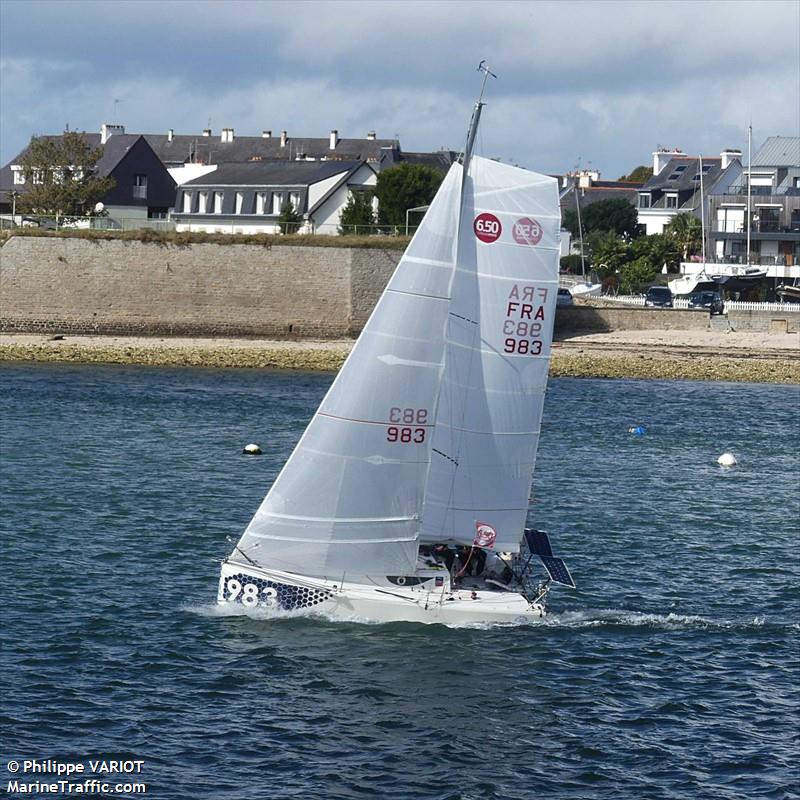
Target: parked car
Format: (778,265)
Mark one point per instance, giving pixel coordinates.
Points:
(564,297)
(710,300)
(658,297)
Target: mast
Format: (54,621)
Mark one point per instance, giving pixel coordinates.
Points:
(749,187)
(702,213)
(580,226)
(473,123)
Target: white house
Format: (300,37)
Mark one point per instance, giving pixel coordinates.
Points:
(248,197)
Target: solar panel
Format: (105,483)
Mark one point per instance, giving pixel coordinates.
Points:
(538,542)
(557,570)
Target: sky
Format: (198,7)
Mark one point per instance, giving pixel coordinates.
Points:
(597,84)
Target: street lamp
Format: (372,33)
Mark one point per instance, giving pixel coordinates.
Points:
(14,196)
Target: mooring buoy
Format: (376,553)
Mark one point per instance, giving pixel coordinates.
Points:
(251,450)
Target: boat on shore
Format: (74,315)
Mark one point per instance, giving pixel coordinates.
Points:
(407,496)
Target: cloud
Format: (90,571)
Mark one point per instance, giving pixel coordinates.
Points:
(606,81)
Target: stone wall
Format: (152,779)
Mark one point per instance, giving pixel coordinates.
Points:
(129,287)
(593,319)
(134,288)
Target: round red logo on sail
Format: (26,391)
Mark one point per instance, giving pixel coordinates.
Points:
(487,227)
(527,231)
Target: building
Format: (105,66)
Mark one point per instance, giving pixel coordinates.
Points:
(675,187)
(586,188)
(144,189)
(774,212)
(248,197)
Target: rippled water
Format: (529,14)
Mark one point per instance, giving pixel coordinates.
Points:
(672,672)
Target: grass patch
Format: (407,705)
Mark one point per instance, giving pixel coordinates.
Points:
(185,238)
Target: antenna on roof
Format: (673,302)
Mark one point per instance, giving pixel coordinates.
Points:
(116,103)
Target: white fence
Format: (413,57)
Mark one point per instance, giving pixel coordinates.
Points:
(730,305)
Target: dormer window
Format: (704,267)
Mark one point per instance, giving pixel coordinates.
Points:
(19,175)
(672,200)
(644,200)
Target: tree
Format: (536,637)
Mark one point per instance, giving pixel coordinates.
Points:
(658,250)
(641,174)
(636,274)
(616,215)
(289,220)
(609,253)
(61,176)
(686,233)
(403,187)
(357,216)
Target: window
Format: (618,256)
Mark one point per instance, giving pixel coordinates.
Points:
(672,201)
(261,202)
(218,202)
(37,176)
(277,202)
(19,176)
(294,199)
(140,187)
(239,203)
(202,202)
(187,202)
(644,201)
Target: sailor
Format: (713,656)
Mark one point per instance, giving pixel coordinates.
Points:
(497,567)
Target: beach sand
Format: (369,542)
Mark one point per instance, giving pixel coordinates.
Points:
(688,355)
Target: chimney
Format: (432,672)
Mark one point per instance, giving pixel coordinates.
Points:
(226,135)
(371,136)
(728,155)
(107,130)
(334,139)
(170,135)
(266,134)
(662,157)
(284,137)
(206,131)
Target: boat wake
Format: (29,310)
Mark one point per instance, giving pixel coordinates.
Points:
(596,618)
(621,618)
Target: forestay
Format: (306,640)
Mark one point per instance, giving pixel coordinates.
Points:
(499,335)
(348,499)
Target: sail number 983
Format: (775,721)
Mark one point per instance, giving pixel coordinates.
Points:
(410,425)
(524,339)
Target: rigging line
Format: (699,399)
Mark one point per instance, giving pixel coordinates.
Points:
(444,455)
(466,319)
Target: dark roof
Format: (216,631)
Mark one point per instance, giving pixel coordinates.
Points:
(601,190)
(440,160)
(778,151)
(274,173)
(679,176)
(212,150)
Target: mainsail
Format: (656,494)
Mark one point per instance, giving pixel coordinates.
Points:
(431,427)
(349,498)
(499,335)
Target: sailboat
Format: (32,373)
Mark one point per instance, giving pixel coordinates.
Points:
(418,463)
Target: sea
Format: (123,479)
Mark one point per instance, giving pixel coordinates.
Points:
(672,671)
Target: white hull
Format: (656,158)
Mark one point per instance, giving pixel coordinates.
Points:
(254,588)
(587,290)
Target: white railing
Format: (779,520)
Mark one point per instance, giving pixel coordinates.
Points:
(730,305)
(741,305)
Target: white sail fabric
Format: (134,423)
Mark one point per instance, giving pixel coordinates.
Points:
(499,334)
(349,498)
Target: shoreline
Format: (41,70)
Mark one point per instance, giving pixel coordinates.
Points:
(672,355)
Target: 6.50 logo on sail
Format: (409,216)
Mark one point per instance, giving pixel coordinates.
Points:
(487,227)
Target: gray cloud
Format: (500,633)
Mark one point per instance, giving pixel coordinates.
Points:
(606,81)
